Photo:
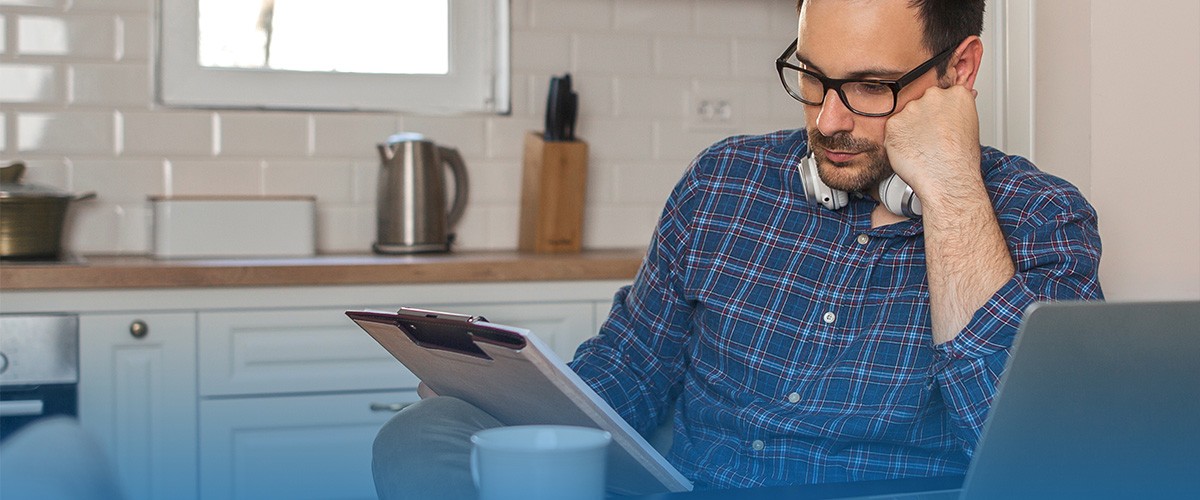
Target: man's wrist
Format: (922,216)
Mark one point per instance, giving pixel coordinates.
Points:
(953,195)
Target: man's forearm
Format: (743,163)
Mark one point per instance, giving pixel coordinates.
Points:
(966,258)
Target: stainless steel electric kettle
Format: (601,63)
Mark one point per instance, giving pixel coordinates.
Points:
(412,208)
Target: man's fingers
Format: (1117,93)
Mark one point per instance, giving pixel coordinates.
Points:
(423,391)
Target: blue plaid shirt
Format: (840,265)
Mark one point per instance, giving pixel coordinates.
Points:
(798,337)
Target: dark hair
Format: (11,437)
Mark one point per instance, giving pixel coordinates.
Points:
(947,22)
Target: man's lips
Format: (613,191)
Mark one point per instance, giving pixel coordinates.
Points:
(839,156)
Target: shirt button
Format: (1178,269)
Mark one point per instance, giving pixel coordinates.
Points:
(829,317)
(794,397)
(863,239)
(758,445)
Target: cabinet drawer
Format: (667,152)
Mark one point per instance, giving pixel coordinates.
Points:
(295,447)
(292,351)
(289,351)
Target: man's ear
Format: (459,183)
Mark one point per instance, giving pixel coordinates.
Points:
(964,64)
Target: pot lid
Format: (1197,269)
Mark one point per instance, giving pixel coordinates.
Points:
(11,186)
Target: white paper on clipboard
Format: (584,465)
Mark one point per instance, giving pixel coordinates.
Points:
(514,376)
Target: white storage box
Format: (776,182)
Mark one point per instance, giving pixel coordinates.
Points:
(234,226)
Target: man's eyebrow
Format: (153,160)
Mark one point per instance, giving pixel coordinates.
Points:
(804,60)
(862,74)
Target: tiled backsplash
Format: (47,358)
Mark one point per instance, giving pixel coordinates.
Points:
(76,84)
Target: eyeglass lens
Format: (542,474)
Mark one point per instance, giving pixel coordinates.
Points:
(863,97)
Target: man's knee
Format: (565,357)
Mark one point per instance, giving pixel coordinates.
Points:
(427,445)
(437,419)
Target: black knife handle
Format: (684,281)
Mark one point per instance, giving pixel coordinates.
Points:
(571,115)
(552,110)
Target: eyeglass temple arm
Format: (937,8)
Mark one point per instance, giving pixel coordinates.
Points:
(789,51)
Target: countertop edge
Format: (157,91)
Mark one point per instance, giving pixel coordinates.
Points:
(125,272)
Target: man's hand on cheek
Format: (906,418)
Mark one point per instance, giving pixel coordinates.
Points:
(933,143)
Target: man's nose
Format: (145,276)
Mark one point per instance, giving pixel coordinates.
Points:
(834,116)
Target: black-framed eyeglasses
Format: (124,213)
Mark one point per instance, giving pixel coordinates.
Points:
(863,97)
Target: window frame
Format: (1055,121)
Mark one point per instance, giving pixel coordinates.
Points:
(478,80)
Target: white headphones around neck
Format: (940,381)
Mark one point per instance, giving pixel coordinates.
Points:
(894,193)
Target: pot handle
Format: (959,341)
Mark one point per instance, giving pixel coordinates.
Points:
(459,169)
(13,172)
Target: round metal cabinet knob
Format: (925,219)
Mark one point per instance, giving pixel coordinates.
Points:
(139,329)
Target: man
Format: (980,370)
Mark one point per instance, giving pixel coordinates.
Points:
(805,344)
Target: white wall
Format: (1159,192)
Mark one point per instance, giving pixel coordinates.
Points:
(76,89)
(1118,114)
(76,96)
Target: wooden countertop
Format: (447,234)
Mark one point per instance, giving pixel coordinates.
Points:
(95,272)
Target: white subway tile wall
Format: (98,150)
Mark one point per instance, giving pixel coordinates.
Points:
(167,133)
(28,83)
(93,84)
(77,89)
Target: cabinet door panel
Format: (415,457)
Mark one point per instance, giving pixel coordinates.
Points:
(289,351)
(295,447)
(137,395)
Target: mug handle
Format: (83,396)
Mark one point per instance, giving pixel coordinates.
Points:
(475,466)
(459,169)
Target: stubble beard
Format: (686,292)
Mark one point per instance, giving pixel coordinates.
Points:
(861,175)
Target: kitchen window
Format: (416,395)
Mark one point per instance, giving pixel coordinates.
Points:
(433,56)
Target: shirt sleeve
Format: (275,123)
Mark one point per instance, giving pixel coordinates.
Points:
(1056,252)
(637,360)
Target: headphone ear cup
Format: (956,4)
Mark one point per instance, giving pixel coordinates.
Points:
(815,190)
(899,198)
(832,198)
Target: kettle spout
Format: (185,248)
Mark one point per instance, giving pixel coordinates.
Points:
(385,152)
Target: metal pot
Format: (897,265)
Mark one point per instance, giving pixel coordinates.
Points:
(31,216)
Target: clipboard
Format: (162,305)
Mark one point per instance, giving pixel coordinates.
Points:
(514,376)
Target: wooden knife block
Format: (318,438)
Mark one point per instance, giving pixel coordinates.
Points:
(553,186)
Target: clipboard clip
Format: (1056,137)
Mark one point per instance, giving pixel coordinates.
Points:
(431,314)
(453,332)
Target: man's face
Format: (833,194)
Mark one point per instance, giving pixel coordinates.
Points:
(860,39)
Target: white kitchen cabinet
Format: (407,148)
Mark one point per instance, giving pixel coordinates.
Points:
(317,350)
(282,351)
(286,395)
(294,447)
(266,392)
(137,395)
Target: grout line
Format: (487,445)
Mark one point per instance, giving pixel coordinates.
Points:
(216,133)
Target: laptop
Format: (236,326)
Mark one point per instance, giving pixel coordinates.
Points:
(1099,400)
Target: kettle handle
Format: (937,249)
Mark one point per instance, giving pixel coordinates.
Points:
(452,158)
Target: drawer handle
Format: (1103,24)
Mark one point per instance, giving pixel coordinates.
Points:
(392,407)
(31,408)
(139,329)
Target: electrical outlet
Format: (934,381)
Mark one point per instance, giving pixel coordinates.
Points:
(711,111)
(720,111)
